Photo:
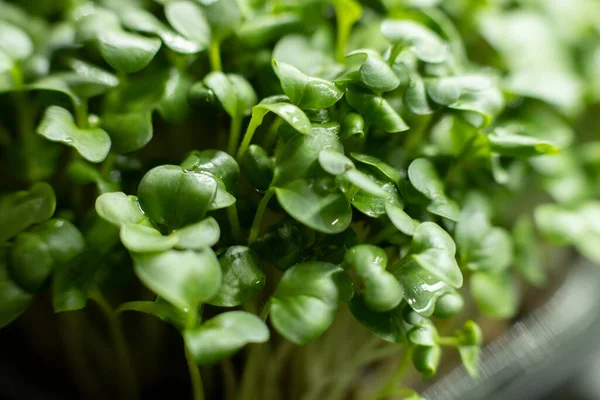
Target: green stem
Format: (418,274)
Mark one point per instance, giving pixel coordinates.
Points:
(81,114)
(124,358)
(107,165)
(23,109)
(234,134)
(229,378)
(195,377)
(255,230)
(215,55)
(254,123)
(264,313)
(234,223)
(448,341)
(271,135)
(392,383)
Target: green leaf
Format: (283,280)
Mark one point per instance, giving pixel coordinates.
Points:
(120,209)
(175,197)
(127,52)
(496,295)
(57,125)
(401,220)
(389,326)
(173,105)
(189,20)
(299,157)
(71,282)
(199,235)
(367,68)
(422,41)
(477,93)
(415,95)
(224,17)
(243,277)
(374,206)
(234,92)
(387,170)
(284,244)
(365,183)
(305,91)
(380,290)
(37,252)
(424,178)
(421,288)
(306,299)
(376,110)
(22,209)
(513,145)
(334,162)
(424,335)
(14,301)
(258,166)
(326,211)
(448,305)
(183,278)
(352,124)
(528,257)
(14,42)
(426,359)
(222,336)
(265,27)
(145,239)
(470,358)
(298,51)
(140,20)
(128,131)
(82,172)
(159,308)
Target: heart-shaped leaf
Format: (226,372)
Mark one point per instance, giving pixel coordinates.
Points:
(421,288)
(15,44)
(243,277)
(13,299)
(129,131)
(304,303)
(376,110)
(37,252)
(258,167)
(424,178)
(305,91)
(199,235)
(175,197)
(22,209)
(119,209)
(389,326)
(57,125)
(145,239)
(127,52)
(183,278)
(223,335)
(367,68)
(422,41)
(234,92)
(380,289)
(401,220)
(327,211)
(189,20)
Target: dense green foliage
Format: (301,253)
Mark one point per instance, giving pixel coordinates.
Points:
(259,164)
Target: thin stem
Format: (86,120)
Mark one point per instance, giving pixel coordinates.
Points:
(81,114)
(195,377)
(229,378)
(271,135)
(448,341)
(215,55)
(107,165)
(264,313)
(392,383)
(234,134)
(234,223)
(254,122)
(129,385)
(23,110)
(255,230)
